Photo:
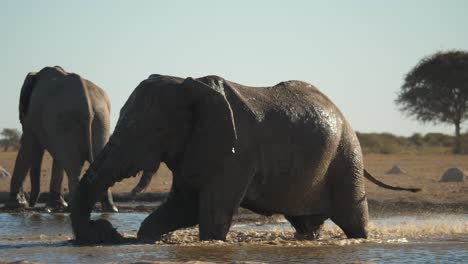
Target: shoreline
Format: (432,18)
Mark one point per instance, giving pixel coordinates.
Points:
(147,202)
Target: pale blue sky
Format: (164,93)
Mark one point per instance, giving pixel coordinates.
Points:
(357,52)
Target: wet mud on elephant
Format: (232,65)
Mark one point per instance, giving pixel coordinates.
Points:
(69,117)
(284,149)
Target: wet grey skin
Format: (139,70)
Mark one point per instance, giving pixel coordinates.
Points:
(69,117)
(284,149)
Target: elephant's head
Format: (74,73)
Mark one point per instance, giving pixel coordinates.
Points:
(186,123)
(31,80)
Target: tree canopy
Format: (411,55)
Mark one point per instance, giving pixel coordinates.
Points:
(10,138)
(436,90)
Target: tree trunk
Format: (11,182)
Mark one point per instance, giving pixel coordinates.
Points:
(457,147)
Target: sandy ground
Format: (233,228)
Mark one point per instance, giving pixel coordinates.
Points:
(422,170)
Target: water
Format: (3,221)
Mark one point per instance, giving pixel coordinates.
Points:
(403,239)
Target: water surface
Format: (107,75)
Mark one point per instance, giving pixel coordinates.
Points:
(404,239)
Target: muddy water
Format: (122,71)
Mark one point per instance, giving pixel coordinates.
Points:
(410,239)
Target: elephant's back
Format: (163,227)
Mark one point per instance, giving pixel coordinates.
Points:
(291,116)
(61,94)
(297,101)
(60,103)
(294,110)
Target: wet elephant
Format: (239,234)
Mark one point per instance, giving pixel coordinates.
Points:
(68,116)
(284,149)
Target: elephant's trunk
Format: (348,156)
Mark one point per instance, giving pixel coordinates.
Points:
(102,174)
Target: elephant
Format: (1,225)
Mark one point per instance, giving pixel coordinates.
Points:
(69,117)
(145,180)
(284,149)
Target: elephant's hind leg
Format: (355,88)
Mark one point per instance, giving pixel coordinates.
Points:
(72,161)
(349,205)
(353,220)
(55,200)
(23,163)
(307,226)
(348,195)
(174,213)
(35,174)
(100,136)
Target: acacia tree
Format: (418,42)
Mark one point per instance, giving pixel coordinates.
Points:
(11,138)
(436,90)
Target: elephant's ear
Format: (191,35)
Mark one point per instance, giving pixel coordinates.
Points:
(213,136)
(25,95)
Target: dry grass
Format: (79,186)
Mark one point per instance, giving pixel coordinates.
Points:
(423,170)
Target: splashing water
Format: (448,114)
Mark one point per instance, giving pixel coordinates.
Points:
(385,230)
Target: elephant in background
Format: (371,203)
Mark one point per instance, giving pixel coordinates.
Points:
(284,149)
(69,117)
(144,181)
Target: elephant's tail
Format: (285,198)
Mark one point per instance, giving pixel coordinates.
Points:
(386,186)
(89,138)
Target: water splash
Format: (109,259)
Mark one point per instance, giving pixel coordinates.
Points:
(390,231)
(279,232)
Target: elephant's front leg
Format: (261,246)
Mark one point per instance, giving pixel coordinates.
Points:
(217,204)
(176,212)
